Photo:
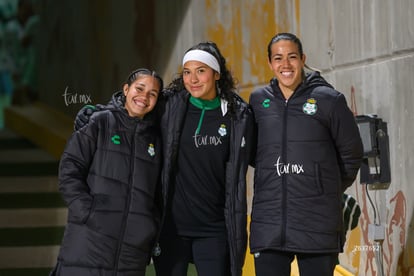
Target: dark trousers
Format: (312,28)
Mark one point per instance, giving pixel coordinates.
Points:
(277,263)
(210,256)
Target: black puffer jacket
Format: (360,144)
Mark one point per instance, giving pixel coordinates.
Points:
(108,175)
(309,151)
(241,142)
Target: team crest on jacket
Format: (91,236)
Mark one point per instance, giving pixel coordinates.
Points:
(310,107)
(151,150)
(222,130)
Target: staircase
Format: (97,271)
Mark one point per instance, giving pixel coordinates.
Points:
(32,212)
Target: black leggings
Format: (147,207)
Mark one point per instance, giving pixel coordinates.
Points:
(271,263)
(210,256)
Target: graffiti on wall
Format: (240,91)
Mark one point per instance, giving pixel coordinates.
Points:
(397,248)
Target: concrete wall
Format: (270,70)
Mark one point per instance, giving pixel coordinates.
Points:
(367,45)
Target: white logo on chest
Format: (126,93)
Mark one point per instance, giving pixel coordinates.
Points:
(288,168)
(200,140)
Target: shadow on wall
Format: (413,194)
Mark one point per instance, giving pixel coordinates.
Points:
(167,18)
(87,47)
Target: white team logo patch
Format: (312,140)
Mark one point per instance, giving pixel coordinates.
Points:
(222,130)
(310,107)
(151,150)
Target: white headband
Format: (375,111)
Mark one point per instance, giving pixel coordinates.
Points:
(204,57)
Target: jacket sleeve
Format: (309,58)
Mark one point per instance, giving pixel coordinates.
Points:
(84,114)
(252,134)
(73,172)
(345,133)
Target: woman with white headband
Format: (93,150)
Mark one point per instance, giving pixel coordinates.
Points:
(207,133)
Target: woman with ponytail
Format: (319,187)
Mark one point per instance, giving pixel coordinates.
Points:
(308,153)
(108,177)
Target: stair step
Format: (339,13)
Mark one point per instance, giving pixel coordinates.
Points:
(28,257)
(30,155)
(41,217)
(28,200)
(28,184)
(28,169)
(27,271)
(27,162)
(43,125)
(32,236)
(16,143)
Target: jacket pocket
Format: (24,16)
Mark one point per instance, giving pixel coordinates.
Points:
(318,179)
(79,209)
(306,185)
(91,210)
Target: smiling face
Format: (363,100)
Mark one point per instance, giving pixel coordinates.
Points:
(141,96)
(200,80)
(287,65)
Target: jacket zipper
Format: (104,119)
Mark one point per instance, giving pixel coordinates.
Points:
(284,185)
(126,212)
(233,195)
(157,250)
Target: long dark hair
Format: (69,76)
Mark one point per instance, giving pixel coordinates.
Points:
(225,86)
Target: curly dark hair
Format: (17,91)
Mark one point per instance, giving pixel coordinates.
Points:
(226,84)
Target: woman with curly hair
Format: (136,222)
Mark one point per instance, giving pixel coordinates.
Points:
(207,134)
